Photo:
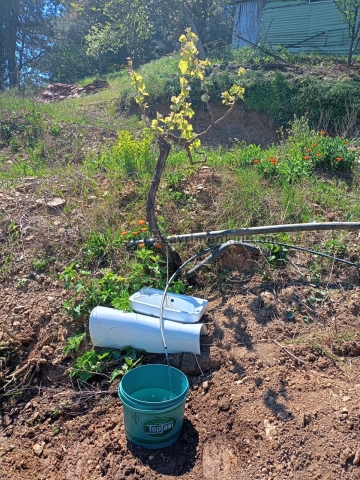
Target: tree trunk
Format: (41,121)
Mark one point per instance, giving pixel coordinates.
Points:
(186,11)
(350,52)
(248,22)
(174,258)
(11,15)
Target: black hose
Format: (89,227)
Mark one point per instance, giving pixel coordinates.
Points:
(296,227)
(302,249)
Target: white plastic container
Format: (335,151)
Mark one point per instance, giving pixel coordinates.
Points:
(178,308)
(110,328)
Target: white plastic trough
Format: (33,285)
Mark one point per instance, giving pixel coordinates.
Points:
(178,308)
(110,328)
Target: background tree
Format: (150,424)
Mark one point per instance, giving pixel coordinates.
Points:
(27,30)
(350,11)
(136,24)
(66,60)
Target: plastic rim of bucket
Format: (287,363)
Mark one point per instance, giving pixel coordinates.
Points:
(152,376)
(153,424)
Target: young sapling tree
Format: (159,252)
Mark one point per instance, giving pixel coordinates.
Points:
(176,127)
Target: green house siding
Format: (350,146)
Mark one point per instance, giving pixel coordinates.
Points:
(300,25)
(319,26)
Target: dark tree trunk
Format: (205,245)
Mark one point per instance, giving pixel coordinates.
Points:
(174,258)
(11,15)
(351,51)
(187,13)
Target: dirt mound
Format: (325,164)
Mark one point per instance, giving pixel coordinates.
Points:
(257,409)
(61,91)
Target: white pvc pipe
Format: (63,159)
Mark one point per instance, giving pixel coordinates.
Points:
(110,328)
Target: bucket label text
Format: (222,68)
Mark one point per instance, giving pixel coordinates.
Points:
(159,426)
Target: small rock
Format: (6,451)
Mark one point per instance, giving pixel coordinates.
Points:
(357,457)
(38,448)
(345,455)
(305,419)
(346,399)
(18,308)
(56,202)
(224,406)
(269,428)
(206,386)
(243,380)
(151,457)
(283,415)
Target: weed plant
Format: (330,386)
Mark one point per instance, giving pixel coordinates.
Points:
(92,363)
(147,268)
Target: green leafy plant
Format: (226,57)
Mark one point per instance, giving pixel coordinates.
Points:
(55,130)
(129,356)
(332,154)
(278,253)
(174,179)
(14,145)
(73,343)
(129,155)
(92,363)
(89,364)
(41,263)
(147,268)
(100,246)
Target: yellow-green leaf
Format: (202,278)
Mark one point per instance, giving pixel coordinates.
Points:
(183,66)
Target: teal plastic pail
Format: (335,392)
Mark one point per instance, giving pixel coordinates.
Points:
(152,419)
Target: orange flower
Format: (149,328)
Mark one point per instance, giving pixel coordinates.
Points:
(141,245)
(339,159)
(135,233)
(158,245)
(318,154)
(313,144)
(141,222)
(143,229)
(256,160)
(273,160)
(322,132)
(306,157)
(124,233)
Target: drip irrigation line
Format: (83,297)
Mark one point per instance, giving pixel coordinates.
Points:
(307,250)
(236,232)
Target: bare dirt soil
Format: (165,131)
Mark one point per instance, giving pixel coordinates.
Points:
(241,125)
(271,397)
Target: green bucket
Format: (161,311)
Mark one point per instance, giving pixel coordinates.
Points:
(152,417)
